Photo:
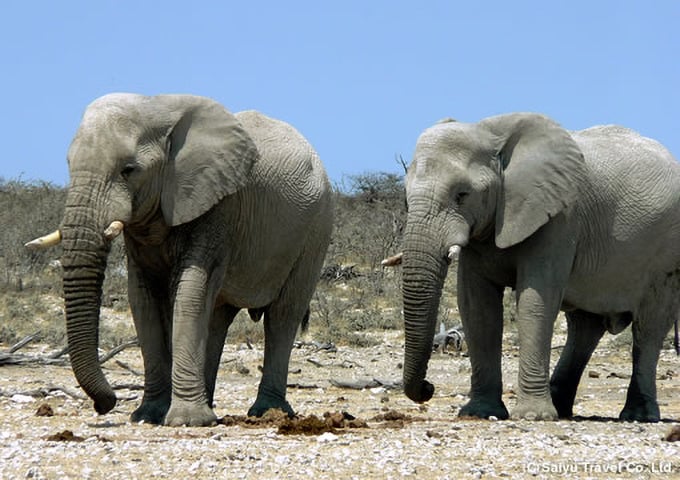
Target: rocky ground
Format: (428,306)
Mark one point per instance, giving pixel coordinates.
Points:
(49,430)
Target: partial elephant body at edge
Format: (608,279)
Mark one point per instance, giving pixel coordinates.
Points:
(587,222)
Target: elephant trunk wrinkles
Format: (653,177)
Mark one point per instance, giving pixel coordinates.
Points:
(422,283)
(84,262)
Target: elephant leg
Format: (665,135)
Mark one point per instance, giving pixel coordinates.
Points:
(219,325)
(542,276)
(481,308)
(151,315)
(650,326)
(282,319)
(536,314)
(280,327)
(195,295)
(584,331)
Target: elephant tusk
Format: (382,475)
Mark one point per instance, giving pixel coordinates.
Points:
(454,250)
(392,261)
(113,230)
(48,240)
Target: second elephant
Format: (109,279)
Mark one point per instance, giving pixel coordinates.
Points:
(587,222)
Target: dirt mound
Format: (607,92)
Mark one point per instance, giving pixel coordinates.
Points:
(333,422)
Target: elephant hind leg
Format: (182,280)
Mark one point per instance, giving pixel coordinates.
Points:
(281,322)
(219,325)
(652,323)
(282,319)
(584,331)
(280,328)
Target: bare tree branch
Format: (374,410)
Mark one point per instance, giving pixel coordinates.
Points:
(400,160)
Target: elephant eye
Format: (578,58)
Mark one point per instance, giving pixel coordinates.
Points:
(460,197)
(127,170)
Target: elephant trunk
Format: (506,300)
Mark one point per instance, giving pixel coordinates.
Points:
(423,274)
(84,261)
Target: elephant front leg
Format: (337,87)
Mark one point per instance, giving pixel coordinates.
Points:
(194,301)
(151,315)
(536,313)
(481,308)
(584,331)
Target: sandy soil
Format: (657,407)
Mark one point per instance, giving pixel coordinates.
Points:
(399,439)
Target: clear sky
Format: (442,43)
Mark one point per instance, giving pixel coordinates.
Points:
(360,79)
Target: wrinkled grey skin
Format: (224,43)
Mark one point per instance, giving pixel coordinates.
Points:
(221,212)
(587,222)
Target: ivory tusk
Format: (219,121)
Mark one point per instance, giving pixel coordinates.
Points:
(48,240)
(453,252)
(113,230)
(392,261)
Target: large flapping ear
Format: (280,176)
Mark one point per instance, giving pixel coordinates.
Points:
(543,169)
(210,156)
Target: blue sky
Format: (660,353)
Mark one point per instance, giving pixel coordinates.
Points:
(360,79)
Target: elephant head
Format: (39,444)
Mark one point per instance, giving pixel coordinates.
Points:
(496,181)
(137,161)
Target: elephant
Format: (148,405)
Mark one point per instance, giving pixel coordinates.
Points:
(220,212)
(587,222)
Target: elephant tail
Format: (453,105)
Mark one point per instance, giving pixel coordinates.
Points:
(304,326)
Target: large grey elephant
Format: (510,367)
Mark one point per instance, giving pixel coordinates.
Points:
(587,222)
(220,212)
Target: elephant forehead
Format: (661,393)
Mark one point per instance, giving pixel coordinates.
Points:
(453,136)
(452,145)
(101,137)
(443,168)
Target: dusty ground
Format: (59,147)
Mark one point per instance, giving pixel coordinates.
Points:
(399,439)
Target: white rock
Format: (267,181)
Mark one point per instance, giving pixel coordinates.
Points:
(18,398)
(327,437)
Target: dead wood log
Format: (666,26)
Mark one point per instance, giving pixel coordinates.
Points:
(127,386)
(115,351)
(21,359)
(128,368)
(22,343)
(367,383)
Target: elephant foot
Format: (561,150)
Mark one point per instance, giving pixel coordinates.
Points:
(535,409)
(484,409)
(151,411)
(563,403)
(190,414)
(261,405)
(563,411)
(647,412)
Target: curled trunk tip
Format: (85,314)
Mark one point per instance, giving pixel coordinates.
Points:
(105,403)
(419,392)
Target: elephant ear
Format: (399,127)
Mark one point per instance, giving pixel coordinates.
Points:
(542,170)
(210,156)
